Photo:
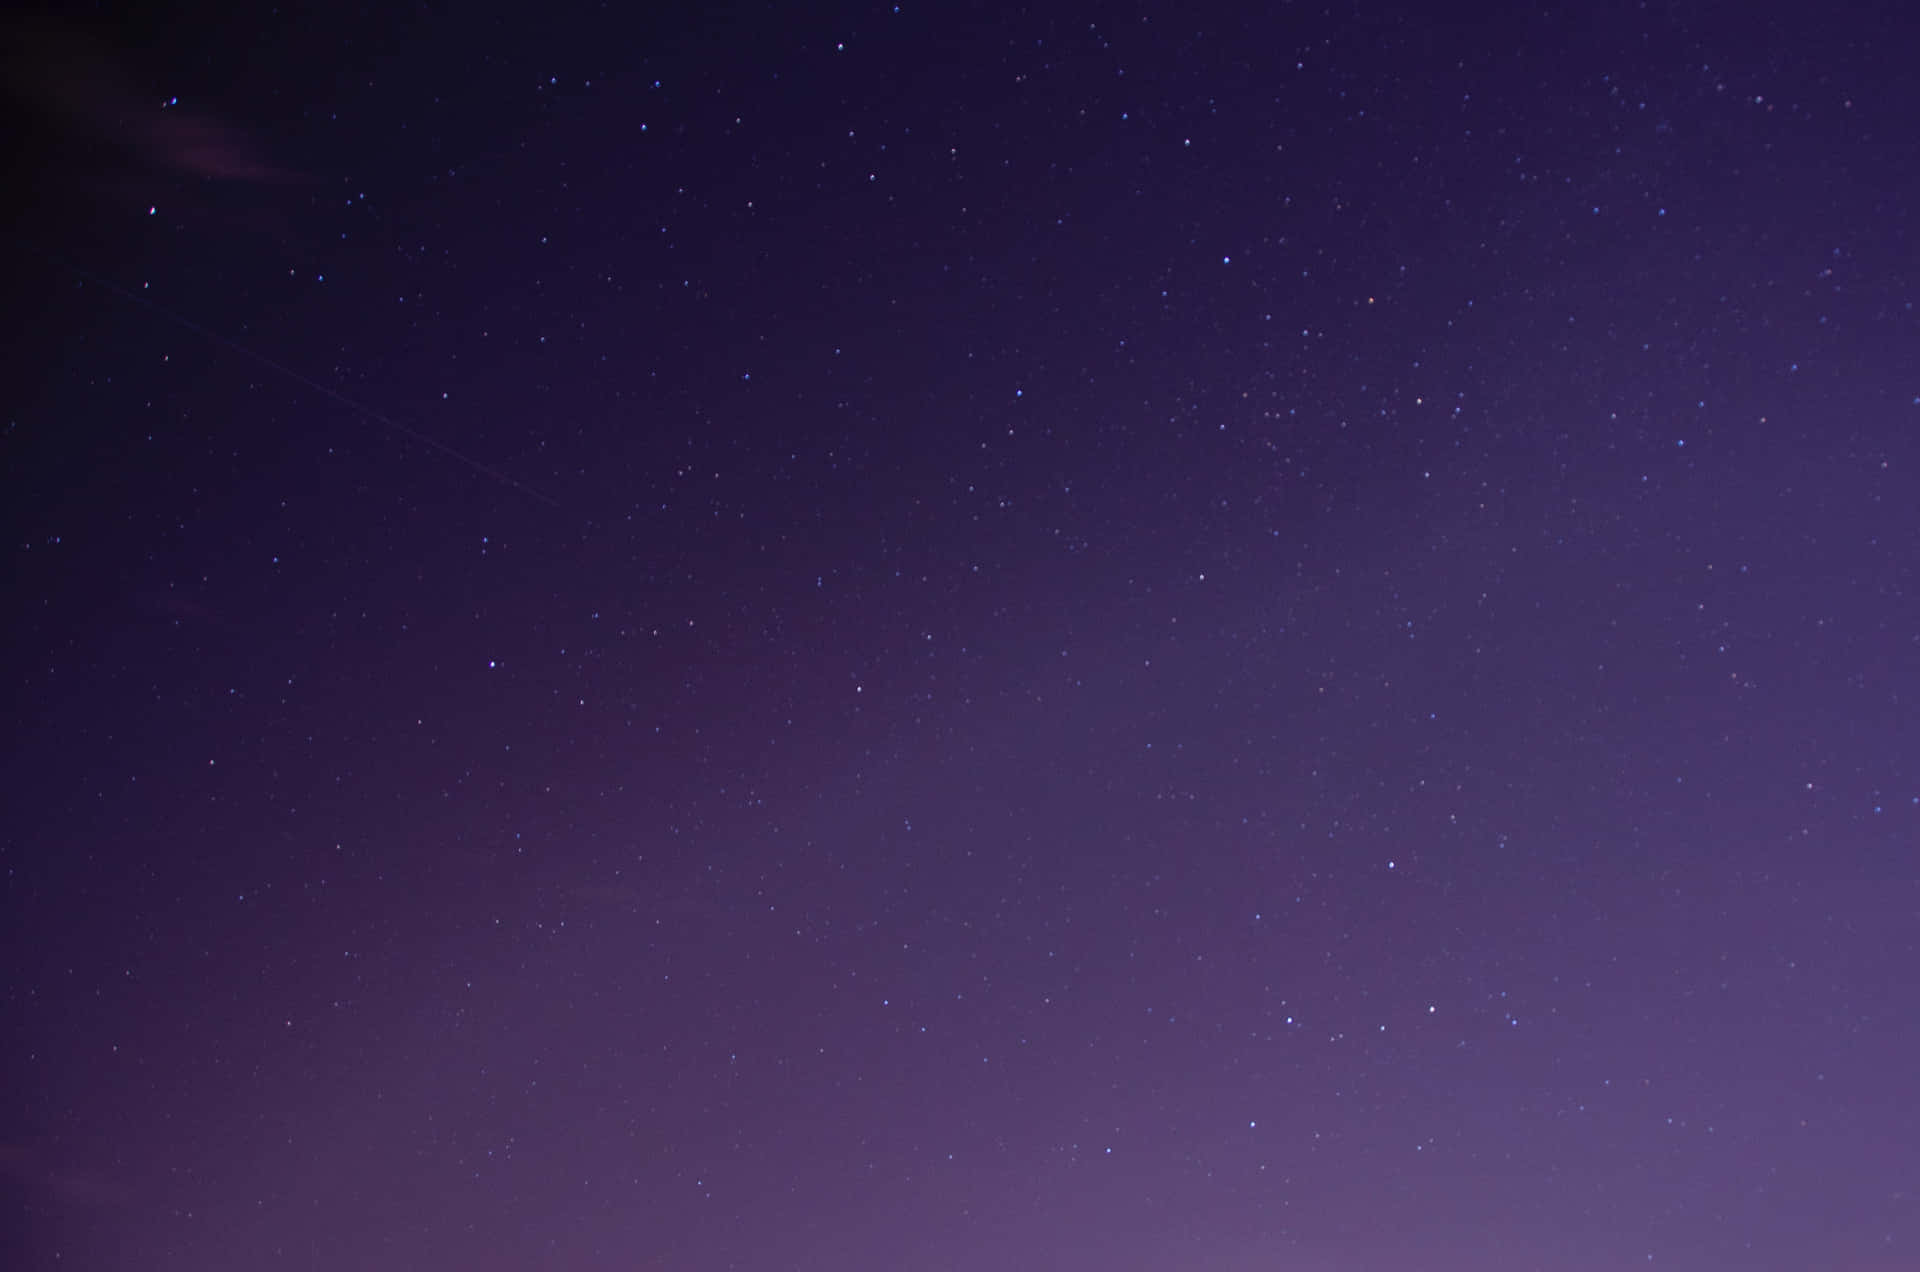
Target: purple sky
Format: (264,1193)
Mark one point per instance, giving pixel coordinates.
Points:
(963,638)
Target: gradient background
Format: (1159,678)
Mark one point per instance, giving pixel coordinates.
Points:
(962,637)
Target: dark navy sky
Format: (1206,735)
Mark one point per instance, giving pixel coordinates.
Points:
(1143,639)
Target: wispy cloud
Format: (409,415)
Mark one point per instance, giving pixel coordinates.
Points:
(75,90)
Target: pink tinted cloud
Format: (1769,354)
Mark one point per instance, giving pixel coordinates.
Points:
(78,90)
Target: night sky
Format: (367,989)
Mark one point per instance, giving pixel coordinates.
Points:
(950,638)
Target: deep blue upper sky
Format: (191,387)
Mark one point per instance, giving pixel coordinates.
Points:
(1153,638)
